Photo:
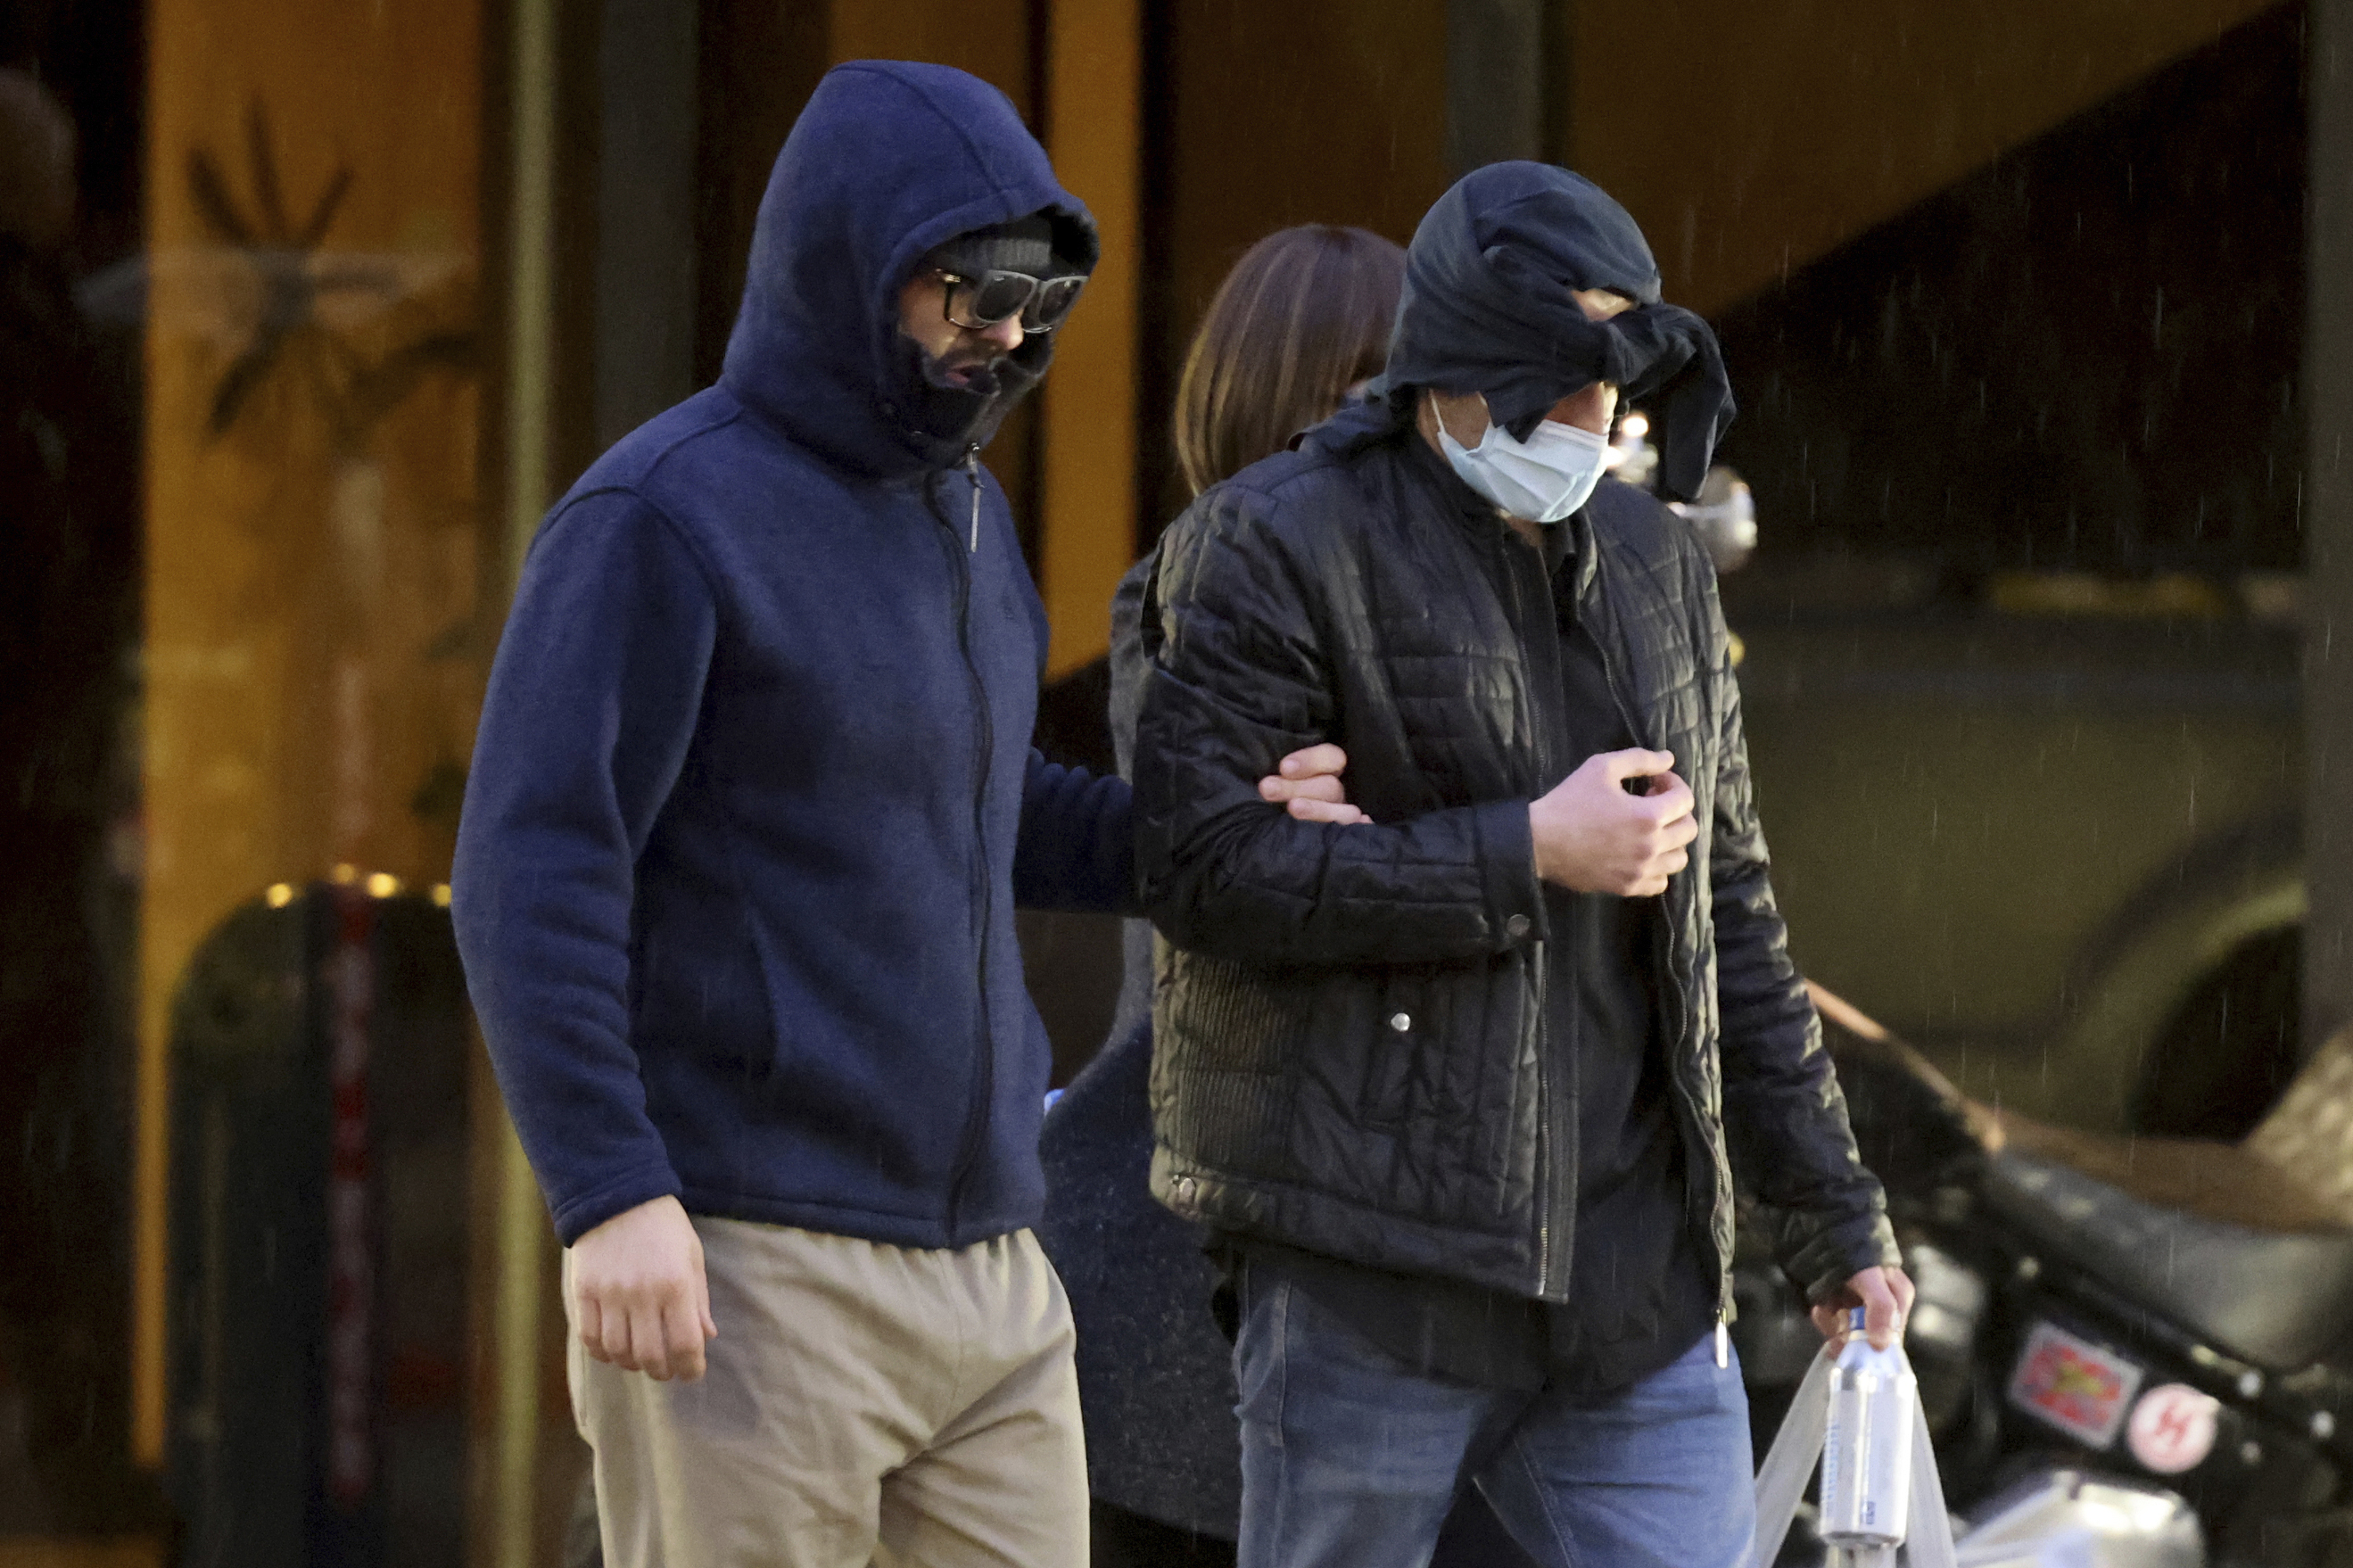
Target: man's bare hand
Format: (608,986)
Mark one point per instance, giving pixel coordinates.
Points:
(640,1295)
(1593,837)
(1884,1293)
(1308,786)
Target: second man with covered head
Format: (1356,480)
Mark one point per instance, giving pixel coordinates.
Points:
(1463,1090)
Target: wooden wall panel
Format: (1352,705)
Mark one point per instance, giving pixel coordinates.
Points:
(1088,408)
(1315,111)
(990,38)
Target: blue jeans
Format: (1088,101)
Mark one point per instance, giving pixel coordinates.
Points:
(1351,1460)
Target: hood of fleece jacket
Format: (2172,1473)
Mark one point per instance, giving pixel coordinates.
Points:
(889,161)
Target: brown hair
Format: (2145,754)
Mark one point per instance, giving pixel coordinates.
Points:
(1304,316)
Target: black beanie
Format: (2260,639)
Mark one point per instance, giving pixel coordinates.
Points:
(1025,245)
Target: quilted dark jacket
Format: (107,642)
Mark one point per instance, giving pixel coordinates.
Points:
(1349,1020)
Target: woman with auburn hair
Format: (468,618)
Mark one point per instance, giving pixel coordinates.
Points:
(1296,329)
(1300,321)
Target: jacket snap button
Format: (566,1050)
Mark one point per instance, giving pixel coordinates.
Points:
(1400,1022)
(1516,927)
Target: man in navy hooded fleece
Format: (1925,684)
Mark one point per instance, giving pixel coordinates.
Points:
(752,803)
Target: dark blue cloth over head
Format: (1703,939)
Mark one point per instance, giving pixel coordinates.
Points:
(1490,307)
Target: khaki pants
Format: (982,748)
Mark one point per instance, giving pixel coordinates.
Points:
(864,1404)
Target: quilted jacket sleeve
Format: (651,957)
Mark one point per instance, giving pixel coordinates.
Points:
(1238,678)
(1785,1120)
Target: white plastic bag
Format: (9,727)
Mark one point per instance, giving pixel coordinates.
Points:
(1789,1465)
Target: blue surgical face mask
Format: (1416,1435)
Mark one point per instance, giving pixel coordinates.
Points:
(1543,478)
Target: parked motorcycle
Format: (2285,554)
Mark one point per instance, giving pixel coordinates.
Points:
(2132,1353)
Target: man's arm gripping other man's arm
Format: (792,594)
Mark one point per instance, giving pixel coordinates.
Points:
(1078,832)
(1235,685)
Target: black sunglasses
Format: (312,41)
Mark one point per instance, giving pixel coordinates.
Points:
(979,303)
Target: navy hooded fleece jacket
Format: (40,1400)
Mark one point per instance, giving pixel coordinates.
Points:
(753,797)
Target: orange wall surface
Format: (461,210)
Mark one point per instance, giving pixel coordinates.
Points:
(314,564)
(1313,111)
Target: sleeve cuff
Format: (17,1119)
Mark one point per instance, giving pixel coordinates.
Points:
(1838,1254)
(576,1218)
(1507,873)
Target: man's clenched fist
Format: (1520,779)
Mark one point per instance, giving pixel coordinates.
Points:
(1595,838)
(640,1293)
(1884,1293)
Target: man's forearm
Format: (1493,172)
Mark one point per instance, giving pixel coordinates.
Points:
(1784,1115)
(1256,885)
(546,965)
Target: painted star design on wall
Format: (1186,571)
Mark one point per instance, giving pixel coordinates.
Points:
(295,276)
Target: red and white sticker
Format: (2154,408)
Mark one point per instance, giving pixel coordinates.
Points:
(2172,1429)
(2077,1387)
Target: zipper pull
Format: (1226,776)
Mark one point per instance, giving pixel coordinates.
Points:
(1723,1343)
(971,478)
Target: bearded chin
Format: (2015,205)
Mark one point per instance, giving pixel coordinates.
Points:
(944,417)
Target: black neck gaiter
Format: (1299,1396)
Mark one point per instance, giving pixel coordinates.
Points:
(1489,306)
(941,419)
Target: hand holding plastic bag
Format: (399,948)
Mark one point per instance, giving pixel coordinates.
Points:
(1781,1483)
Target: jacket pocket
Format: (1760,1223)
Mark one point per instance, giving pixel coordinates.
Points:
(1399,1038)
(1405,1053)
(773,1060)
(708,995)
(1506,1101)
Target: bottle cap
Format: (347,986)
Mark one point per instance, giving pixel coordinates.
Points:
(1855,1318)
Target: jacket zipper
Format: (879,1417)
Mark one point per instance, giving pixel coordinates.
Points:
(971,478)
(977,877)
(1692,1147)
(1540,961)
(1541,616)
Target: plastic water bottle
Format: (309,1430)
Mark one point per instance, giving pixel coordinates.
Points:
(1867,1452)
